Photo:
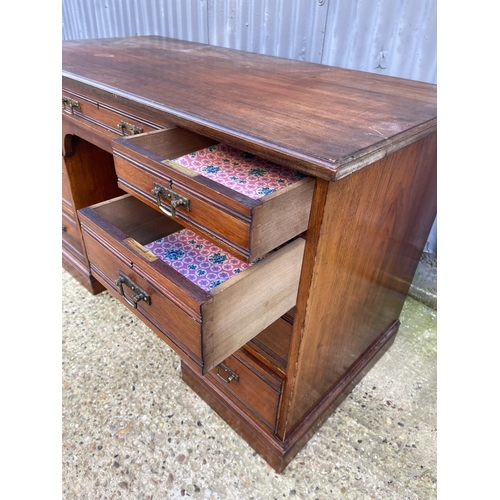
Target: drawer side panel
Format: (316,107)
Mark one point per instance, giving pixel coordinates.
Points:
(241,308)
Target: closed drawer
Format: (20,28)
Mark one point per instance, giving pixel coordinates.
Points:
(109,120)
(208,325)
(70,234)
(251,384)
(198,182)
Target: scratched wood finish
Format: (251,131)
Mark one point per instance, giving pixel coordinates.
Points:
(322,120)
(365,256)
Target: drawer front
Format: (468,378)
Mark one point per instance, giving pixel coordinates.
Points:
(232,230)
(70,233)
(248,227)
(159,311)
(208,324)
(109,120)
(254,386)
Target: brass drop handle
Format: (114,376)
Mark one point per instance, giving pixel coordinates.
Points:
(229,374)
(69,105)
(140,293)
(176,200)
(129,129)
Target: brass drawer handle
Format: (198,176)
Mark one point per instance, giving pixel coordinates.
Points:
(140,295)
(69,105)
(230,375)
(129,128)
(176,200)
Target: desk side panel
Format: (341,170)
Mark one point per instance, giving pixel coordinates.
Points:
(362,251)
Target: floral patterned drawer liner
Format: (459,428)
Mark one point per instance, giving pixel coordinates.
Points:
(240,171)
(198,259)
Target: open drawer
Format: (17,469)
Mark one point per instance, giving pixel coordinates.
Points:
(207,321)
(243,203)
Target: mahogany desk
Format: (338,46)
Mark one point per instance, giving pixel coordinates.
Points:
(275,349)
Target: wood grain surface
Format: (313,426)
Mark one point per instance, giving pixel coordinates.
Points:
(369,143)
(359,262)
(323,120)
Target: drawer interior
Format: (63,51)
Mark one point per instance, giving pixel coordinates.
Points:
(197,259)
(135,219)
(167,144)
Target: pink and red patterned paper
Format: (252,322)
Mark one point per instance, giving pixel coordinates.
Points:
(196,258)
(243,172)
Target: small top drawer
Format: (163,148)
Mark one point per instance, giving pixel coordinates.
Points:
(243,203)
(109,120)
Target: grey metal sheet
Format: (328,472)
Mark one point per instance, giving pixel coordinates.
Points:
(393,37)
(182,19)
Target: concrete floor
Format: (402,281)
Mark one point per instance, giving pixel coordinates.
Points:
(133,430)
(424,285)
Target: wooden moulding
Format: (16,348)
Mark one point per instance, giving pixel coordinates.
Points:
(346,119)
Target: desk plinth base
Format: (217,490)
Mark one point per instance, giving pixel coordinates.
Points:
(274,451)
(81,273)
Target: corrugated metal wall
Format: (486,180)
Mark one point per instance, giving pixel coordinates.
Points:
(391,37)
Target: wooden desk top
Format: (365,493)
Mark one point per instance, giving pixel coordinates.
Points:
(323,120)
